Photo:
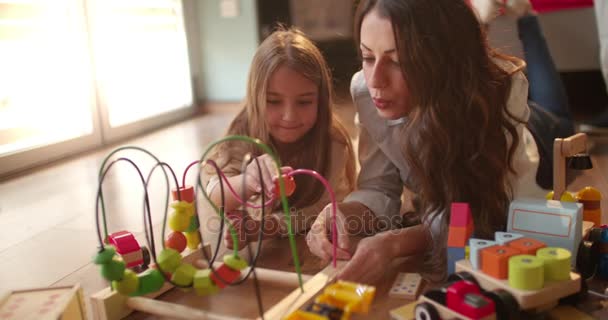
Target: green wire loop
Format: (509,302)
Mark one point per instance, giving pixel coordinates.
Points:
(285,205)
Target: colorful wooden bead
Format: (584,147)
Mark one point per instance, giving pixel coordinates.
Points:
(202,283)
(168,260)
(114,269)
(176,241)
(193,239)
(128,284)
(150,281)
(235,262)
(184,274)
(290,186)
(224,276)
(179,221)
(105,255)
(186,194)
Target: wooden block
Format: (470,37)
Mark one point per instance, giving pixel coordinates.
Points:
(454,254)
(526,245)
(502,238)
(404,313)
(476,246)
(406,285)
(495,260)
(459,236)
(43,303)
(460,215)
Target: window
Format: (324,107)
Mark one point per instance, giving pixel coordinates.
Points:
(78,73)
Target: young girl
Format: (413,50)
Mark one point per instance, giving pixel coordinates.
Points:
(444,116)
(288,107)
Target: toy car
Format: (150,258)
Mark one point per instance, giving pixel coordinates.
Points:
(129,249)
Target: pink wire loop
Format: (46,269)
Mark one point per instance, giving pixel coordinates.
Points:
(332,197)
(334,207)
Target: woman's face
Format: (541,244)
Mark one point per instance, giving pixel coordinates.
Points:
(291,105)
(381,67)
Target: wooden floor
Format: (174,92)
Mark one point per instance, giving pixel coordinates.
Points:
(47,229)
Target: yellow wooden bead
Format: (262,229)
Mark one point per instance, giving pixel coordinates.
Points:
(129,283)
(179,221)
(194,239)
(168,260)
(203,284)
(567,196)
(235,262)
(184,274)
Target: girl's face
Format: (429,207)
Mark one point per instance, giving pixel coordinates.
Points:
(291,105)
(385,81)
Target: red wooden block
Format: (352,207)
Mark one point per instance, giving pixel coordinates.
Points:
(460,215)
(459,236)
(495,260)
(226,274)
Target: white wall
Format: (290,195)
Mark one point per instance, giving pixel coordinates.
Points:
(226,48)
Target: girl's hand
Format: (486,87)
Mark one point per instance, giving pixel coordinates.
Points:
(246,229)
(317,237)
(269,173)
(370,259)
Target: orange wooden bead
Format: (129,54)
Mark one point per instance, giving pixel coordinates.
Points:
(186,194)
(290,186)
(176,241)
(526,245)
(495,260)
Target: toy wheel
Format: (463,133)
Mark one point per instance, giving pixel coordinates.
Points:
(587,259)
(458,276)
(426,311)
(507,307)
(436,295)
(146,254)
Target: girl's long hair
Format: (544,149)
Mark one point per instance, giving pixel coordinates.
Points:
(290,48)
(460,138)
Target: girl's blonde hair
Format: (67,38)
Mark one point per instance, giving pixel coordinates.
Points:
(290,48)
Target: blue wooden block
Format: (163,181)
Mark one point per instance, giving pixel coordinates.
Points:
(502,238)
(475,245)
(454,254)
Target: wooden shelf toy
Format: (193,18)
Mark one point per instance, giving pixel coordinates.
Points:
(63,303)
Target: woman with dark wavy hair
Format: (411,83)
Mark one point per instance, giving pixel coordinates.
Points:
(442,115)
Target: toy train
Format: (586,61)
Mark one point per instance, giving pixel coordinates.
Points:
(503,278)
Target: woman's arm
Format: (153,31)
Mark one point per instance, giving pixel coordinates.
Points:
(374,253)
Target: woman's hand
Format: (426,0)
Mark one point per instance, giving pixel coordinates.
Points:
(372,256)
(317,237)
(269,174)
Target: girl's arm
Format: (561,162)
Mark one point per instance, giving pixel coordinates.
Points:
(231,202)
